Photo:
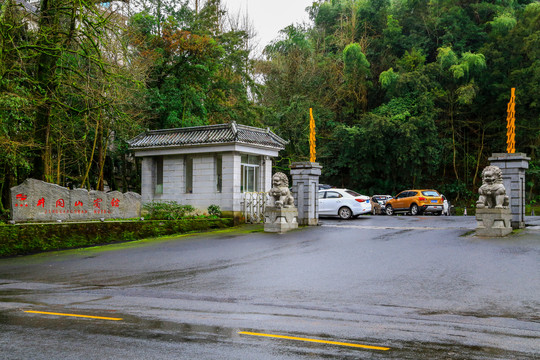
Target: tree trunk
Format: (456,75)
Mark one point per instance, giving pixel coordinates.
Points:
(49,46)
(453,138)
(101,156)
(478,158)
(58,166)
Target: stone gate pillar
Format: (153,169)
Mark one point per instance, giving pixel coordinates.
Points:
(305,188)
(513,167)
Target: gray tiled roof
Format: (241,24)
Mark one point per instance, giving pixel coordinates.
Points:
(207,135)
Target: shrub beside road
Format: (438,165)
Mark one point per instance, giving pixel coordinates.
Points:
(24,239)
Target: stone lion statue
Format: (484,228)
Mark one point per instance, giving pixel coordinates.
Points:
(280,192)
(492,192)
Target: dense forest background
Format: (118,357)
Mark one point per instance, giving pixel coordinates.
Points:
(405,93)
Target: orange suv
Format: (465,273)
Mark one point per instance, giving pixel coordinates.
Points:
(415,202)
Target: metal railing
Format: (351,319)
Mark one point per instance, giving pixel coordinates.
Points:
(254,205)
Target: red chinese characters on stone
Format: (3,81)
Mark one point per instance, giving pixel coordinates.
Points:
(115,202)
(78,203)
(21,197)
(41,202)
(60,203)
(97,203)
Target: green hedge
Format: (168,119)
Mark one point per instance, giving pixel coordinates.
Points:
(21,239)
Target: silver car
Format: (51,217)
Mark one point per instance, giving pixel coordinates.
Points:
(381,199)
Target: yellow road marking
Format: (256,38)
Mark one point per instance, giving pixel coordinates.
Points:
(73,315)
(315,340)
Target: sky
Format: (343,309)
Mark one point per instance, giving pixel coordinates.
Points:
(270,16)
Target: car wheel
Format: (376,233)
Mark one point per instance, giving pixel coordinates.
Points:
(389,210)
(345,213)
(414,209)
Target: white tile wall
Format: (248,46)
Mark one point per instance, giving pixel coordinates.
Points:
(204,180)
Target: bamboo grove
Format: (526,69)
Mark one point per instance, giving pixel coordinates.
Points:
(405,93)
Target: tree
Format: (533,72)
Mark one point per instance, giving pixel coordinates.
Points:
(458,88)
(356,74)
(201,72)
(288,74)
(70,69)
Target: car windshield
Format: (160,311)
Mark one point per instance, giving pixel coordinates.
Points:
(352,193)
(430,193)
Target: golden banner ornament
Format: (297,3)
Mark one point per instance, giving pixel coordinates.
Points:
(312,151)
(510,124)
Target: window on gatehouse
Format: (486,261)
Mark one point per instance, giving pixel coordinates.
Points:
(219,173)
(189,174)
(250,168)
(158,167)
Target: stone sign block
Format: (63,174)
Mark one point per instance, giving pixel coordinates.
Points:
(79,201)
(36,200)
(131,205)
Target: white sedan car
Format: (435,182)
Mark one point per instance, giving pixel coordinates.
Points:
(343,203)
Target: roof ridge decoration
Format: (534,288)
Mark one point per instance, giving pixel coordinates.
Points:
(188,128)
(207,135)
(267,131)
(235,130)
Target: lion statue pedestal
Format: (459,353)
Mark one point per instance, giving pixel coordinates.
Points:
(493,222)
(281,215)
(493,216)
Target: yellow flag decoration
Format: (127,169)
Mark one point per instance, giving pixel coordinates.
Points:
(510,124)
(312,151)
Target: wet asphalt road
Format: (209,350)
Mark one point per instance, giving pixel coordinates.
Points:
(424,287)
